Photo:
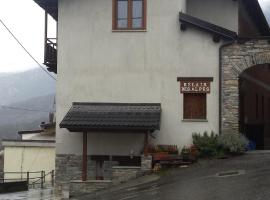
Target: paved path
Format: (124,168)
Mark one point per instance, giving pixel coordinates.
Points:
(243,178)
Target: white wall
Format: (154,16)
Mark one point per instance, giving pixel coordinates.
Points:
(98,65)
(38,136)
(28,159)
(219,12)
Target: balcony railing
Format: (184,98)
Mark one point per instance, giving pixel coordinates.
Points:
(50,54)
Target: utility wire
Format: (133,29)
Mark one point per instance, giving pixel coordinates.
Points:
(23,109)
(26,49)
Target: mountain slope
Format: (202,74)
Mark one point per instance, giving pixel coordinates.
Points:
(35,111)
(26,100)
(16,87)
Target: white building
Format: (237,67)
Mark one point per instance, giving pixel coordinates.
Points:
(33,154)
(145,67)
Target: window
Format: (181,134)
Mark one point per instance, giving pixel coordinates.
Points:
(195,106)
(195,90)
(129,14)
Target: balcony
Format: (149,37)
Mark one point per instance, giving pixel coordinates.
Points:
(50,44)
(50,54)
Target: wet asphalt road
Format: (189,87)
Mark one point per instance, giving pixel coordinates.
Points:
(198,182)
(243,178)
(32,194)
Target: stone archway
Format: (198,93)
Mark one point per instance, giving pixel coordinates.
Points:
(235,58)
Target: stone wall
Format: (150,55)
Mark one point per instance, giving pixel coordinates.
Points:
(122,174)
(86,187)
(235,58)
(69,167)
(68,174)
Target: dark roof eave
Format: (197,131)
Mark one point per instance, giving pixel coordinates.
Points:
(219,31)
(110,130)
(30,132)
(29,141)
(255,11)
(50,6)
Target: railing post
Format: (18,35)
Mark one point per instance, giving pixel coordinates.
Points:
(44,176)
(52,178)
(41,179)
(27,176)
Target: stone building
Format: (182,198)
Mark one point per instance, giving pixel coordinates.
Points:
(133,72)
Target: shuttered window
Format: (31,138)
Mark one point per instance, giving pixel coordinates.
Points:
(195,106)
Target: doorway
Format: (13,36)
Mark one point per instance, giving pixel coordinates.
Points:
(254,105)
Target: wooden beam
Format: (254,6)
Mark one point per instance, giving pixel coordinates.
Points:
(84,157)
(146,143)
(45,34)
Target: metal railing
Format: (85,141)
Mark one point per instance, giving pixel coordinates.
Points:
(32,181)
(50,54)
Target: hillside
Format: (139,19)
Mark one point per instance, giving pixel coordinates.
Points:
(16,87)
(13,120)
(26,100)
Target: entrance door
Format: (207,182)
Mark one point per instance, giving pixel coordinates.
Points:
(254,90)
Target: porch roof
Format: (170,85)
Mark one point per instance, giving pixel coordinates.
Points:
(83,117)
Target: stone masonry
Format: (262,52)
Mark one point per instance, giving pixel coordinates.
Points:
(67,168)
(68,174)
(235,58)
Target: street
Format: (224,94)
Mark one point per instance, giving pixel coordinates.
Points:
(239,178)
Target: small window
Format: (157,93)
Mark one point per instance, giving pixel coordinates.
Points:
(129,14)
(195,106)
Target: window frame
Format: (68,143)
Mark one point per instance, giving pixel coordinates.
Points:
(129,19)
(204,103)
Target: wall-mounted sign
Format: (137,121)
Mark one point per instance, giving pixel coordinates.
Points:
(195,85)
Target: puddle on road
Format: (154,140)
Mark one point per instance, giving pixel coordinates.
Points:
(32,194)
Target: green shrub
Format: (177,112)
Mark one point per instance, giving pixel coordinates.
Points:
(233,143)
(207,144)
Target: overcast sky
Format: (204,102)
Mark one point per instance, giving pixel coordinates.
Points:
(26,20)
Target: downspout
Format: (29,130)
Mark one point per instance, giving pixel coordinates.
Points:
(220,80)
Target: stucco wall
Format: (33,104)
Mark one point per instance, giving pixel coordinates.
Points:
(220,12)
(28,159)
(98,65)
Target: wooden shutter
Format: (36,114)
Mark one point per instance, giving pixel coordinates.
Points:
(194,106)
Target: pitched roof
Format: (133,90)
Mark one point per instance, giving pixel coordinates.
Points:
(219,31)
(255,11)
(112,116)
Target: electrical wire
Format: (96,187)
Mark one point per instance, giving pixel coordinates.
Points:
(17,40)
